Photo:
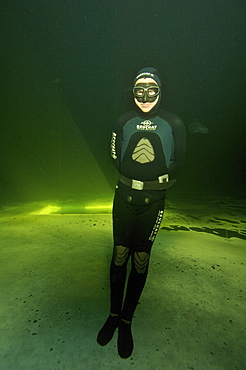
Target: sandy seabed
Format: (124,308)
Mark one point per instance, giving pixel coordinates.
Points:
(54,290)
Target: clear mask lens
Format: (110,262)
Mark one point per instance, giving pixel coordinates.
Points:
(150,91)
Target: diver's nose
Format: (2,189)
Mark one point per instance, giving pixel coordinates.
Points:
(145,97)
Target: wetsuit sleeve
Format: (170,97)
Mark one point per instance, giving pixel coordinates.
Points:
(116,138)
(115,150)
(179,137)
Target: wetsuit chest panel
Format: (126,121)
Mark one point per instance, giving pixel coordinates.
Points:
(147,143)
(144,151)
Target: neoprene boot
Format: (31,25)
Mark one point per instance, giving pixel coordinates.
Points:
(125,340)
(106,333)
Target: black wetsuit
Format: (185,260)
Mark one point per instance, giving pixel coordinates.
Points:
(143,147)
(147,150)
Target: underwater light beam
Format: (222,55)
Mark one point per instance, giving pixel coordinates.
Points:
(99,207)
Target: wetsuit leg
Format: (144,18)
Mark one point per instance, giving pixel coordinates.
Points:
(121,252)
(146,228)
(146,224)
(118,269)
(136,283)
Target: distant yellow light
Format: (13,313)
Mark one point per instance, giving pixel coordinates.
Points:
(47,210)
(99,207)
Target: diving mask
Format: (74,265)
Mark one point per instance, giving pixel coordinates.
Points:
(146,92)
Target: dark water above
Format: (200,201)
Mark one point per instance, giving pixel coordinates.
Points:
(64,66)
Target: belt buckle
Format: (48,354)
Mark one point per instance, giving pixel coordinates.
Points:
(137,185)
(162,178)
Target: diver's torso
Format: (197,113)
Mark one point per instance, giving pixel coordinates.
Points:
(146,148)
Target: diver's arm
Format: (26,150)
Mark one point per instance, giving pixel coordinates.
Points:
(179,137)
(115,148)
(116,138)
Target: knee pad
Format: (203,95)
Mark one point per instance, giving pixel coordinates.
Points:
(141,262)
(121,255)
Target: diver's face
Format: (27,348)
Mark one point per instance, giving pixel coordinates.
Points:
(149,96)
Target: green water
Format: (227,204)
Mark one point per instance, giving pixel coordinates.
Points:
(64,66)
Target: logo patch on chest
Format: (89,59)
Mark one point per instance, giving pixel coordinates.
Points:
(144,151)
(146,125)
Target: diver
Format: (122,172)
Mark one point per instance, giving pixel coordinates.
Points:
(147,147)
